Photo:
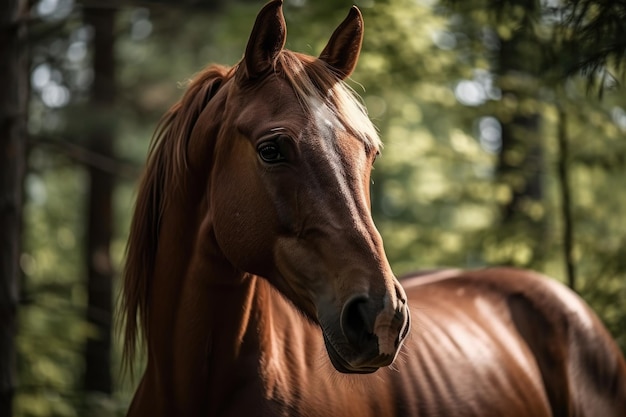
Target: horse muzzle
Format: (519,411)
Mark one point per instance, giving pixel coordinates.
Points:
(372,338)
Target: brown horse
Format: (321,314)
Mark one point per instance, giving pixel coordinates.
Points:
(259,284)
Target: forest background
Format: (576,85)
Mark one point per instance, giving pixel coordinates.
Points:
(504,126)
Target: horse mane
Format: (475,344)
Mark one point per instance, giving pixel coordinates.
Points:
(167,165)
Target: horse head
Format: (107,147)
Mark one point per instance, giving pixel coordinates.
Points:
(287,182)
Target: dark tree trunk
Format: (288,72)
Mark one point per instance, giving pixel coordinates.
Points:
(521,161)
(520,167)
(13,111)
(100,215)
(565,189)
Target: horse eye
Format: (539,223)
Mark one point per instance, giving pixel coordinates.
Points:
(270,153)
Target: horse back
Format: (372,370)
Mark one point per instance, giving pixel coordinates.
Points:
(582,370)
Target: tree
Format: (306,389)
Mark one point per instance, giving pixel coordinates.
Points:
(596,33)
(99,218)
(521,161)
(13,100)
(540,54)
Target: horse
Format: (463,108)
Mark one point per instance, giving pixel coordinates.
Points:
(258,284)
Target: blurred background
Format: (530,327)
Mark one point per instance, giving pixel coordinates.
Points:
(504,126)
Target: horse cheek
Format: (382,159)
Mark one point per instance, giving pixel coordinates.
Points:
(243,229)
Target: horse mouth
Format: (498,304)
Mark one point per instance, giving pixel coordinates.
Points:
(343,365)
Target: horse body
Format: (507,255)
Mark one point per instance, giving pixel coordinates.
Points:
(503,341)
(264,358)
(261,286)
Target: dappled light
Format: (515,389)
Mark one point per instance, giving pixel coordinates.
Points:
(490,134)
(54,10)
(470,93)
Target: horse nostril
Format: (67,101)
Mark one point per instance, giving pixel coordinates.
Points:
(355,324)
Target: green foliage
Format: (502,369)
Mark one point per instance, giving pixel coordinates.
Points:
(51,322)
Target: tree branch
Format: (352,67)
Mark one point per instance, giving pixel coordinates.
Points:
(90,158)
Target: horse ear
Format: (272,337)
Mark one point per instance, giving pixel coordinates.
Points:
(344,46)
(266,40)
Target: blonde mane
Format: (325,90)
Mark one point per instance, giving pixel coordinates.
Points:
(314,78)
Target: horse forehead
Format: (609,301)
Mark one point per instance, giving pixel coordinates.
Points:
(272,105)
(276,107)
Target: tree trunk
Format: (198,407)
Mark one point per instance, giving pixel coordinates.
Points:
(565,189)
(97,376)
(523,175)
(521,162)
(13,111)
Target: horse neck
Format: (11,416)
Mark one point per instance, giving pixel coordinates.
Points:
(206,318)
(220,338)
